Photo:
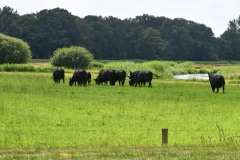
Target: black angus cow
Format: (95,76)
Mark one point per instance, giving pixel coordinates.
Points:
(140,78)
(106,75)
(132,78)
(79,76)
(216,81)
(89,76)
(58,74)
(99,80)
(121,76)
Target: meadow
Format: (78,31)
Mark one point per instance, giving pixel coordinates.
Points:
(43,120)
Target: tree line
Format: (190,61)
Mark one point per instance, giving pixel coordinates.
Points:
(143,37)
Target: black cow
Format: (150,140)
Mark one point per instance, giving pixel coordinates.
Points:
(58,74)
(132,78)
(216,81)
(121,76)
(99,79)
(140,78)
(79,76)
(89,77)
(106,75)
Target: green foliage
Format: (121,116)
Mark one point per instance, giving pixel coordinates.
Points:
(25,68)
(186,64)
(73,57)
(164,69)
(193,68)
(13,50)
(143,37)
(95,64)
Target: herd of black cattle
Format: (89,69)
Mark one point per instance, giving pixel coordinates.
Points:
(82,77)
(140,77)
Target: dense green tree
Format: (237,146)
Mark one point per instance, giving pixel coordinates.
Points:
(204,42)
(102,34)
(151,43)
(13,50)
(117,41)
(234,25)
(9,22)
(87,34)
(73,57)
(142,37)
(232,39)
(52,31)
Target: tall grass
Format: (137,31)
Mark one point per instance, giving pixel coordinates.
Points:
(232,74)
(165,69)
(25,68)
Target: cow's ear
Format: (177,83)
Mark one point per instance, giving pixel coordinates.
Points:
(52,77)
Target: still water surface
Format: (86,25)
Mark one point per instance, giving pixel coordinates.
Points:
(191,76)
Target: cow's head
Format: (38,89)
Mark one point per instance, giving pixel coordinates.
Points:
(56,80)
(97,81)
(210,76)
(131,82)
(71,81)
(131,75)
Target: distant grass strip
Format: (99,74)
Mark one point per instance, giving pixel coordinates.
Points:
(164,69)
(25,68)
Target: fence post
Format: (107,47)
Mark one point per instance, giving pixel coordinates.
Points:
(164,136)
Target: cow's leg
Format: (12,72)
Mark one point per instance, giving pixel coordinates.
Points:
(136,83)
(223,89)
(139,84)
(217,89)
(150,84)
(213,89)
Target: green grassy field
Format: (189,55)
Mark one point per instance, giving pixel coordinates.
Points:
(43,120)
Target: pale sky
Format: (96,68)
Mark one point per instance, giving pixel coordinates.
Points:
(213,13)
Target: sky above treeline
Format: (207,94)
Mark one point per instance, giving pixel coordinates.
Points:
(215,14)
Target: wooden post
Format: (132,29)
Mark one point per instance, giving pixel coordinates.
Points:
(164,136)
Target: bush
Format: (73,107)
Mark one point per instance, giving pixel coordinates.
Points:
(73,57)
(14,50)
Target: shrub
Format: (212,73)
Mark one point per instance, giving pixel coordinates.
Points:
(14,50)
(73,57)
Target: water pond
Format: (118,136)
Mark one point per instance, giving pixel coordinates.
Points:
(192,76)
